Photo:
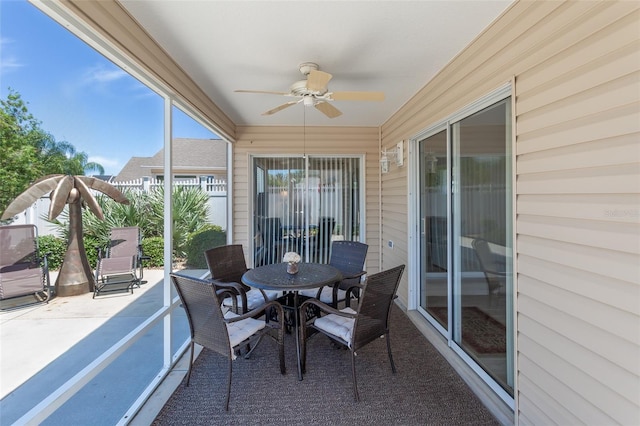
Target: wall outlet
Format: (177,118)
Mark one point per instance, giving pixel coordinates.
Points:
(390,244)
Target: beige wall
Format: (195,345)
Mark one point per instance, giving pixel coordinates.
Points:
(319,140)
(576,71)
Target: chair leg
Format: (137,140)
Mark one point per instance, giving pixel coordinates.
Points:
(283,369)
(280,341)
(393,365)
(190,365)
(250,349)
(226,404)
(303,350)
(353,372)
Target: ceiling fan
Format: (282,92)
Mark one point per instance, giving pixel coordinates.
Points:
(314,92)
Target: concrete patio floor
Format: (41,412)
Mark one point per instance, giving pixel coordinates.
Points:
(44,345)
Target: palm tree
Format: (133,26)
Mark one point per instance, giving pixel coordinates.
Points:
(75,275)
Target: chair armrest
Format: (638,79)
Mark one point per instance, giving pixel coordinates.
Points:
(234,288)
(325,308)
(351,290)
(353,275)
(226,292)
(254,313)
(102,252)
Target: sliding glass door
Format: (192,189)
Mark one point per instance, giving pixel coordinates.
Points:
(434,213)
(466,237)
(302,204)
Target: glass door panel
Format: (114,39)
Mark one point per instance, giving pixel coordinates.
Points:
(279,208)
(481,242)
(434,227)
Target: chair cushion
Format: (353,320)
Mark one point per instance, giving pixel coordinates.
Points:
(254,298)
(326,296)
(242,330)
(337,325)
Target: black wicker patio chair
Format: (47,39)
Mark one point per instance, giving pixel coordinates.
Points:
(224,333)
(227,264)
(348,257)
(355,329)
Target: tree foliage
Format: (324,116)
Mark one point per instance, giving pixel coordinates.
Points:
(27,152)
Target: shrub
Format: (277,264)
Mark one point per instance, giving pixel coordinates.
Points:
(91,246)
(189,212)
(198,242)
(154,248)
(54,248)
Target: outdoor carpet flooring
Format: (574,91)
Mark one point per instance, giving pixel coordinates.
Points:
(481,331)
(425,391)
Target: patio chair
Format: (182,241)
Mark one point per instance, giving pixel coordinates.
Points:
(119,265)
(22,271)
(224,333)
(349,258)
(320,243)
(493,267)
(227,264)
(355,329)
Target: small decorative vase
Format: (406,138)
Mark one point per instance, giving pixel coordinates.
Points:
(292,268)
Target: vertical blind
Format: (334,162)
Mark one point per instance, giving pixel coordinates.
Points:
(303,204)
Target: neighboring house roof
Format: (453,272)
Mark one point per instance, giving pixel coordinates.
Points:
(106,178)
(202,156)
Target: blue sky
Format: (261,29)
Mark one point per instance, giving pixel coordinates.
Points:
(78,95)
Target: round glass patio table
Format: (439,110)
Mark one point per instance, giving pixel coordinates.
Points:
(275,277)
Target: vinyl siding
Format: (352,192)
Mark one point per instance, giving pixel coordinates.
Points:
(576,68)
(319,140)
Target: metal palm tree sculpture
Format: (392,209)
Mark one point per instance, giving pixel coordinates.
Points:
(75,275)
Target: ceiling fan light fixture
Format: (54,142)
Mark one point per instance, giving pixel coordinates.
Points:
(313,91)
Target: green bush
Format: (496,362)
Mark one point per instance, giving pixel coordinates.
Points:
(198,242)
(54,248)
(91,246)
(154,248)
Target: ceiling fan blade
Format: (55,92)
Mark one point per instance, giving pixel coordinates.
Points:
(265,92)
(318,80)
(280,108)
(357,96)
(327,109)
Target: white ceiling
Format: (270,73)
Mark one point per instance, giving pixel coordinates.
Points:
(391,46)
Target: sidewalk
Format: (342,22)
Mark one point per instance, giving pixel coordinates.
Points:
(45,345)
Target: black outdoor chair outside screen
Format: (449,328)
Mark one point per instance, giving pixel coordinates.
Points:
(355,329)
(225,333)
(22,271)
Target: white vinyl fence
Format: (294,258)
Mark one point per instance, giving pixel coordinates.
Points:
(215,188)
